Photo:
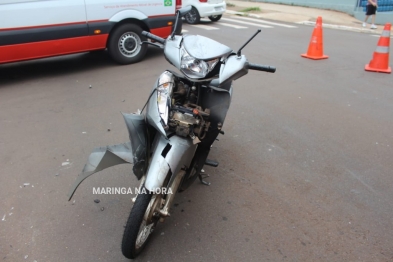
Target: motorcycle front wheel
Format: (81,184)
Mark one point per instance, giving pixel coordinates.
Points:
(139,226)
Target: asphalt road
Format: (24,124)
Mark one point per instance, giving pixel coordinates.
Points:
(305,168)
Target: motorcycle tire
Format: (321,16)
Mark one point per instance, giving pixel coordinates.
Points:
(135,223)
(215,18)
(124,45)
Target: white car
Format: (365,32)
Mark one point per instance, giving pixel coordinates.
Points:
(204,8)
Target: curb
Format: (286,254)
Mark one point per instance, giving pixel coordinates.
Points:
(340,27)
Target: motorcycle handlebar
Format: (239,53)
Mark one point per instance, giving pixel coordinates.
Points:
(153,37)
(265,68)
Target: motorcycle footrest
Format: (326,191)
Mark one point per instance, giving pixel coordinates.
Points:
(211,163)
(201,178)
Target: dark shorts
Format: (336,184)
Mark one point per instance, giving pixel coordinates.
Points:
(371,10)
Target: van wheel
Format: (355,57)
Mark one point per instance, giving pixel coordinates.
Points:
(193,16)
(215,18)
(124,44)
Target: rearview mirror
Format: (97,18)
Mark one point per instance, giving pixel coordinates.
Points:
(183,11)
(179,23)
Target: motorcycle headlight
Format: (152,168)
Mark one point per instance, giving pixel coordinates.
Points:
(164,93)
(195,68)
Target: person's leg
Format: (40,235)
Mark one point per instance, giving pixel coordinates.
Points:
(368,10)
(365,20)
(373,26)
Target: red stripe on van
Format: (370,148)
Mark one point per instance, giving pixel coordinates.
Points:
(168,15)
(20,52)
(50,25)
(40,26)
(162,31)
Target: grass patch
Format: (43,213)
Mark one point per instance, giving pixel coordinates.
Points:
(250,9)
(230,5)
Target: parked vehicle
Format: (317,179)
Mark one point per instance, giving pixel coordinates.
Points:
(213,9)
(170,142)
(32,29)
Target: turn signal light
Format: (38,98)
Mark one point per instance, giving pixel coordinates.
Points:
(96,32)
(170,23)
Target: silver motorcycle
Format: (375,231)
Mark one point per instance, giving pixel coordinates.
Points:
(170,143)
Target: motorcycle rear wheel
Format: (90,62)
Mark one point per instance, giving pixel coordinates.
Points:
(138,229)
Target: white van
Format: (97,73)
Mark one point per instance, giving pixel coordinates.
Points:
(31,29)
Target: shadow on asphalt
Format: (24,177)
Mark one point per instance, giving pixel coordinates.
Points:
(63,65)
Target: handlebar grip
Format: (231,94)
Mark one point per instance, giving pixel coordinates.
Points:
(153,37)
(265,68)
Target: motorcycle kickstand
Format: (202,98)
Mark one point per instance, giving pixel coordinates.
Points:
(201,177)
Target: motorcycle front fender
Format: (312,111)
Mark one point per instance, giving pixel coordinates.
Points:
(168,155)
(101,158)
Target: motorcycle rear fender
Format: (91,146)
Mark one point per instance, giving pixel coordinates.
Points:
(101,158)
(168,155)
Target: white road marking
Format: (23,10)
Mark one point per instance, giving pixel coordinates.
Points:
(246,23)
(265,22)
(234,26)
(361,181)
(380,36)
(206,27)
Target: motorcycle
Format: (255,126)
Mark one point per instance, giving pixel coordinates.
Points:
(170,143)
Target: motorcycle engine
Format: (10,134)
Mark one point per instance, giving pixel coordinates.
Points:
(186,117)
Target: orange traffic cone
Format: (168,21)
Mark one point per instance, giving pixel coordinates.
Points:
(380,61)
(315,48)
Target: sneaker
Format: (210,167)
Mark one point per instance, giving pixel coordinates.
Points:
(373,27)
(364,24)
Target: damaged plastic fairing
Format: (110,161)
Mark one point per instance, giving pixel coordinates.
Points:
(101,158)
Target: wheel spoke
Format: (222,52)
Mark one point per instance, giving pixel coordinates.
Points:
(143,235)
